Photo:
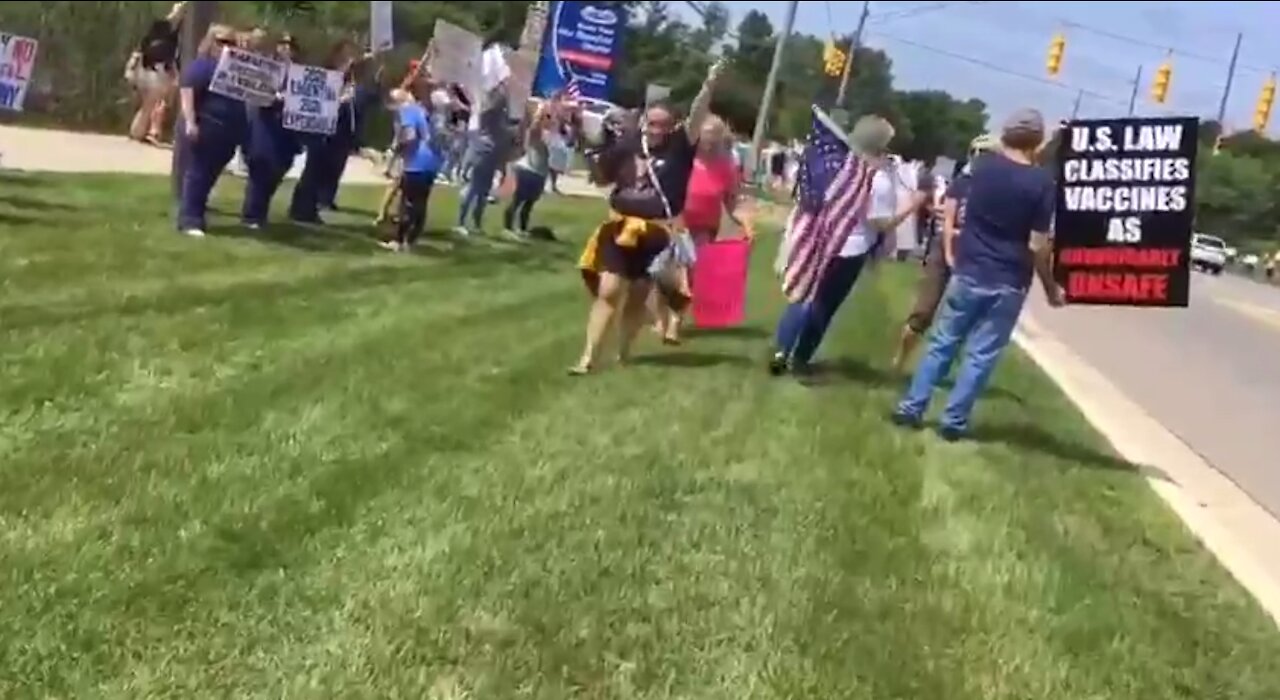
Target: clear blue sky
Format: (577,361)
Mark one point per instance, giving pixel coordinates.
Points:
(1015,35)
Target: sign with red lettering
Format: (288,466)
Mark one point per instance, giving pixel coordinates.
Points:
(1126,208)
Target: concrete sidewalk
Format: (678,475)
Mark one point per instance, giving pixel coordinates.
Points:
(48,150)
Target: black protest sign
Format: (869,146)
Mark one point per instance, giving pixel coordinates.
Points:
(1126,205)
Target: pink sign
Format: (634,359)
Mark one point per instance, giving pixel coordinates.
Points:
(720,283)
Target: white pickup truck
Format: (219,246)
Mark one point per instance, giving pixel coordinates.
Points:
(1208,253)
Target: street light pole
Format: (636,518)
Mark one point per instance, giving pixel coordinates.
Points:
(195,23)
(771,83)
(1133,96)
(1231,76)
(848,60)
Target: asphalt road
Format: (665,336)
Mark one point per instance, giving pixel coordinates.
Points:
(1209,373)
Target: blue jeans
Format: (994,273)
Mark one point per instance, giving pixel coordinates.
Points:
(983,319)
(803,326)
(476,195)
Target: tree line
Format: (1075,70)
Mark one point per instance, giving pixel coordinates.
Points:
(83,46)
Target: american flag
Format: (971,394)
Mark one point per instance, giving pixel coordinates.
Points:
(572,89)
(833,188)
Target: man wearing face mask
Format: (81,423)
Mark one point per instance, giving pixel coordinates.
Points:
(940,257)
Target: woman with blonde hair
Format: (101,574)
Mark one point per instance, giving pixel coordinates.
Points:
(213,127)
(805,322)
(713,192)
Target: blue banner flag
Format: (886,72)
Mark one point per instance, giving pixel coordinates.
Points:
(581,45)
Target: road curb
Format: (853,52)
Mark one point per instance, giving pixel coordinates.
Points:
(1236,529)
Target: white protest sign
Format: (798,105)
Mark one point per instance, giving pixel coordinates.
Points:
(311,99)
(17,61)
(456,57)
(248,77)
(523,65)
(381,35)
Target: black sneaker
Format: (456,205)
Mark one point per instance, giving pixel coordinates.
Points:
(778,364)
(951,434)
(903,420)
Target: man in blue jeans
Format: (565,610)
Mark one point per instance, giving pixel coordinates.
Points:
(1005,240)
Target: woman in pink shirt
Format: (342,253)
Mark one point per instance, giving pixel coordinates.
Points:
(712,192)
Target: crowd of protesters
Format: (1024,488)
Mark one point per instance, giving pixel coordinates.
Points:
(672,181)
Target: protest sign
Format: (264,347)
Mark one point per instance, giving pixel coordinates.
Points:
(381,34)
(311,99)
(248,77)
(17,62)
(582,43)
(1126,204)
(456,56)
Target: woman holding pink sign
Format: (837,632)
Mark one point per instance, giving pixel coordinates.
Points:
(712,194)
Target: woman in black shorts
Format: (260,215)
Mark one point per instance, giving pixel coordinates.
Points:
(649,169)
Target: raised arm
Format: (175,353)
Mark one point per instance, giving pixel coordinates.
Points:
(701,107)
(176,13)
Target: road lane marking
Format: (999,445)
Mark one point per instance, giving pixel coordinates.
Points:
(1261,314)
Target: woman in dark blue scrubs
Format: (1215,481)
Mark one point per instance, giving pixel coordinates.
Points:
(271,150)
(327,155)
(213,127)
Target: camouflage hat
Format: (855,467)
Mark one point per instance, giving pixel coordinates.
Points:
(984,143)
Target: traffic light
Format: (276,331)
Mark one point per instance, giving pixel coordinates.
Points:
(832,59)
(1160,88)
(1262,113)
(1056,48)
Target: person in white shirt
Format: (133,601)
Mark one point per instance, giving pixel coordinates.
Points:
(803,326)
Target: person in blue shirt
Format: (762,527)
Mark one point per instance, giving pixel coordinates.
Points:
(213,127)
(325,154)
(270,151)
(1006,239)
(416,144)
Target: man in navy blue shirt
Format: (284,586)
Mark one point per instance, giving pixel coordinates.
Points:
(1006,239)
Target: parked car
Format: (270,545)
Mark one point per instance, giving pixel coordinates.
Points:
(1208,253)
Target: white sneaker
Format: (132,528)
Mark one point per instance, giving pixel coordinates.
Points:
(517,236)
(253,226)
(194,233)
(393,246)
(462,231)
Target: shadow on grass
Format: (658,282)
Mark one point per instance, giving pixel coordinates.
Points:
(18,201)
(692,360)
(862,373)
(7,219)
(1033,438)
(737,332)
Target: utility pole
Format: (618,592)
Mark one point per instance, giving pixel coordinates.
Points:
(1133,96)
(195,23)
(1075,110)
(1231,75)
(771,83)
(848,60)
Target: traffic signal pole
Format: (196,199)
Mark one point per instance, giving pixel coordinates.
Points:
(771,83)
(1133,96)
(1231,75)
(848,60)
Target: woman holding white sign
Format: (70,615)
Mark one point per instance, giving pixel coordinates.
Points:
(213,127)
(327,154)
(270,151)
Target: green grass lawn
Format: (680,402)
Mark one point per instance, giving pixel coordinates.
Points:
(298,466)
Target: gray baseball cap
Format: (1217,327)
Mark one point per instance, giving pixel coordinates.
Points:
(1024,121)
